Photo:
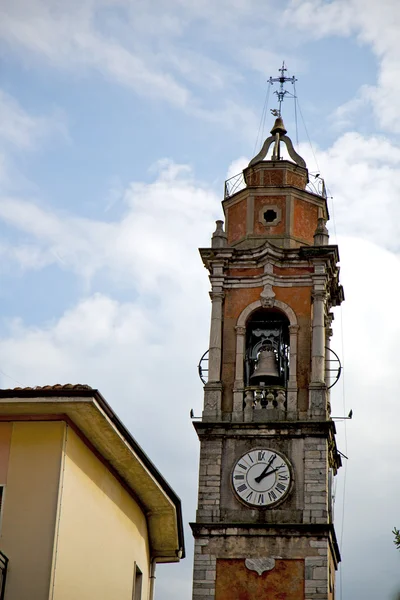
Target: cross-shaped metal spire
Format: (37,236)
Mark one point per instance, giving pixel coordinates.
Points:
(281,93)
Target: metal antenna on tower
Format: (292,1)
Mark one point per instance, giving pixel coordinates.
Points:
(281,93)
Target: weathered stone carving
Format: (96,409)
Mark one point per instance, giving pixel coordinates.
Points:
(267,296)
(260,564)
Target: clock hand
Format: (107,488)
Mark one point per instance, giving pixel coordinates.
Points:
(265,472)
(273,471)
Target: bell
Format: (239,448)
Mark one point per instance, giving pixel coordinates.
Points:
(266,367)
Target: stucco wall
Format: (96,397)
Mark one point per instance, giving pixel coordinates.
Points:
(101,532)
(31,471)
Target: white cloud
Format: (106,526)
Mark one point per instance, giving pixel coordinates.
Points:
(66,37)
(375,24)
(371,277)
(237,166)
(155,57)
(322,18)
(362,174)
(267,61)
(20,129)
(343,115)
(143,248)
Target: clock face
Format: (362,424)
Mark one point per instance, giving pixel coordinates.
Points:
(261,477)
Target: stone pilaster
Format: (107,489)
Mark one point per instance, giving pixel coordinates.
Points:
(209,481)
(292,383)
(315,480)
(318,338)
(215,351)
(213,388)
(316,571)
(238,389)
(328,358)
(317,397)
(204,572)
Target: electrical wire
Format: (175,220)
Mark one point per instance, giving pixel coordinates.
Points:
(295,114)
(344,413)
(308,137)
(330,196)
(9,377)
(261,126)
(345,446)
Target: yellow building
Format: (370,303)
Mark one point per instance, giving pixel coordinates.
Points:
(84,512)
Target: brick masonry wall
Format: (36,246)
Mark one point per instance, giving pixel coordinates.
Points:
(209,481)
(314,551)
(315,480)
(316,574)
(204,572)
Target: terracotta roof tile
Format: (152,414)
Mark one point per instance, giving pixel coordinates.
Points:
(56,387)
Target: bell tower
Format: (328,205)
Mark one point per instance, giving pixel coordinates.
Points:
(264,522)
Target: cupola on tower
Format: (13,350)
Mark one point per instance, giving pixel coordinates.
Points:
(264,522)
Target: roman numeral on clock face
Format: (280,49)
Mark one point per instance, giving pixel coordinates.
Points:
(261,477)
(242,487)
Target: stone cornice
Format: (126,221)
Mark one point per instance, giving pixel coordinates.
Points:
(258,256)
(291,428)
(277,281)
(320,530)
(322,258)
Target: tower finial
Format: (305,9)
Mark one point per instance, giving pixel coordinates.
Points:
(281,93)
(278,132)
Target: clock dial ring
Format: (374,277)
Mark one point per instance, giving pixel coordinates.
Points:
(262,477)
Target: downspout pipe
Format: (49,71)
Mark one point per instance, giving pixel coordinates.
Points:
(152,577)
(153,563)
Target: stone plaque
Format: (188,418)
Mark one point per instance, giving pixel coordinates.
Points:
(260,564)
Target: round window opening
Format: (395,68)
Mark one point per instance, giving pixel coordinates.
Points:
(270,215)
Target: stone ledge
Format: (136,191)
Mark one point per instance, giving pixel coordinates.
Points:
(319,530)
(216,429)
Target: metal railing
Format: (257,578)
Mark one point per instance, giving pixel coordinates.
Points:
(317,186)
(236,183)
(3,574)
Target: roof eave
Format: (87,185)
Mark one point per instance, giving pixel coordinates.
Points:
(96,421)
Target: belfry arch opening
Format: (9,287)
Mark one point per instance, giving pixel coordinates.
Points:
(267,349)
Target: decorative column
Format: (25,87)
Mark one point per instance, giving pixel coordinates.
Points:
(328,357)
(213,388)
(317,401)
(215,349)
(318,338)
(292,383)
(238,388)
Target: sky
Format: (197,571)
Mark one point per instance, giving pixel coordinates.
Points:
(119,122)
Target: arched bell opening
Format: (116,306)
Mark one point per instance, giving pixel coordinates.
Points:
(267,353)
